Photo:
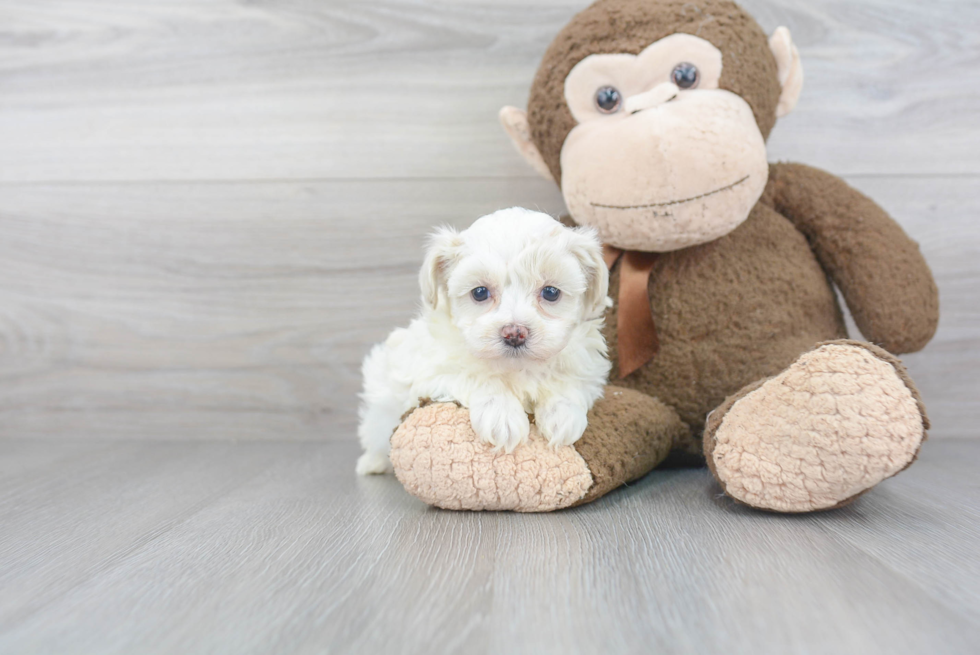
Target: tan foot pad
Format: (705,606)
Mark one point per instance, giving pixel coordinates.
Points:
(439,459)
(838,421)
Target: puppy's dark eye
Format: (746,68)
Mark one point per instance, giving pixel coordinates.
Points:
(551,294)
(480,294)
(608,99)
(685,76)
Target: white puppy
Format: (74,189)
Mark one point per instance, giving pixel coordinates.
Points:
(510,325)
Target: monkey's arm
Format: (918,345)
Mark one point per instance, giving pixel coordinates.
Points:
(878,268)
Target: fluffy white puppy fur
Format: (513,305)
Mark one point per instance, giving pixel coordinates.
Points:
(510,325)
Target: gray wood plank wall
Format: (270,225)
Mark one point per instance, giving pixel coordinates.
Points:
(209,210)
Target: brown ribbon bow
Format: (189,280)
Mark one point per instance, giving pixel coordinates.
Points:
(637,340)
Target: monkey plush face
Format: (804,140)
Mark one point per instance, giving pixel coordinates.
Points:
(689,161)
(655,127)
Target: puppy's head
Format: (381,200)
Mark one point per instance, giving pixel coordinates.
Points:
(515,284)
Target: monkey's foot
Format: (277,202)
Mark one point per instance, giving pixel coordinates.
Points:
(838,421)
(438,458)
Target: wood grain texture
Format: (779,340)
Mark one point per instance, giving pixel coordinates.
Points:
(191,311)
(210,210)
(113,90)
(218,310)
(259,548)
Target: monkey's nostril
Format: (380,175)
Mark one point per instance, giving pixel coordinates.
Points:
(514,335)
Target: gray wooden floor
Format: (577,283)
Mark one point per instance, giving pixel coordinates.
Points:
(209,210)
(167,547)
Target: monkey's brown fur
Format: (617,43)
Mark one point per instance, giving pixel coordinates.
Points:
(735,311)
(743,307)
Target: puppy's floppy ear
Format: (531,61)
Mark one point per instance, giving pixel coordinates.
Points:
(586,247)
(443,248)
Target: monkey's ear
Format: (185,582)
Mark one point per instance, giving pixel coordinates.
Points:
(789,68)
(515,124)
(443,248)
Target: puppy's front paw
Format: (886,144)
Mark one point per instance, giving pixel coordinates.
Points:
(373,462)
(500,421)
(561,423)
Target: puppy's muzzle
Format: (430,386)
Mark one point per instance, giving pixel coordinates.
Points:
(514,335)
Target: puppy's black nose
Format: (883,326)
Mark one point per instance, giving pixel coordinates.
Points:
(514,335)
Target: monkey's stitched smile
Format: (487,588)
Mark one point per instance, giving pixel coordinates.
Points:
(674,202)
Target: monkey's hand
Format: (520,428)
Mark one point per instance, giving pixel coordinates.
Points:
(878,268)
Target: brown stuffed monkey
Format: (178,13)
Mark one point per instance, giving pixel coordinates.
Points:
(726,336)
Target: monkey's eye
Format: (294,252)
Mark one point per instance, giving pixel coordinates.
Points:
(685,76)
(551,294)
(480,294)
(608,99)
